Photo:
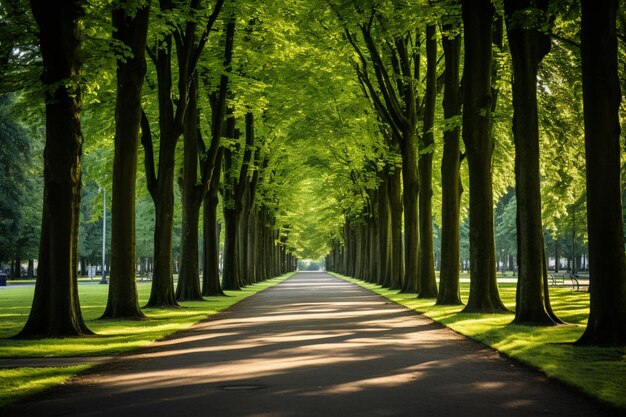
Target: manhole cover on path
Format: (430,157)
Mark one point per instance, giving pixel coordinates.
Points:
(241,387)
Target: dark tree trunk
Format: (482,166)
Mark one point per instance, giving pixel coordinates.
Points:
(242,239)
(245,196)
(395,200)
(451,187)
(231,276)
(528,47)
(211,173)
(557,260)
(251,248)
(55,310)
(211,274)
(410,195)
(601,98)
(123,301)
(477,135)
(171,123)
(31,268)
(188,288)
(17,268)
(253,229)
(231,279)
(384,224)
(263,257)
(161,186)
(374,251)
(427,282)
(346,249)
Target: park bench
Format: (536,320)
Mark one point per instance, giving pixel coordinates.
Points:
(565,280)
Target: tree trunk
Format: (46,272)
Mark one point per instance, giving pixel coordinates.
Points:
(477,135)
(171,127)
(188,288)
(211,285)
(384,246)
(231,277)
(251,247)
(451,187)
(557,260)
(161,186)
(31,268)
(55,310)
(212,172)
(427,283)
(123,301)
(410,195)
(528,47)
(601,99)
(245,196)
(395,200)
(242,240)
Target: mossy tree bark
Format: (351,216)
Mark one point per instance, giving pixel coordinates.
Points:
(601,100)
(55,310)
(132,31)
(477,135)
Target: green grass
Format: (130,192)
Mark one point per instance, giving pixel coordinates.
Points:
(20,383)
(599,372)
(113,336)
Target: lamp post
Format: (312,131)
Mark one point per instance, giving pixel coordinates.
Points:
(104,236)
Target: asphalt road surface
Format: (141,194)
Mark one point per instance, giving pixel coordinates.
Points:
(313,346)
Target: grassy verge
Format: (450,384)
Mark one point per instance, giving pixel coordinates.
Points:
(113,336)
(599,372)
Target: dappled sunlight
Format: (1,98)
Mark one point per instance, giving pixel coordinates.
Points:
(332,350)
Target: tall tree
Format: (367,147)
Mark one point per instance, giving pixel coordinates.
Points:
(130,27)
(196,158)
(601,101)
(394,95)
(55,310)
(235,177)
(211,284)
(477,135)
(451,187)
(528,43)
(427,287)
(171,127)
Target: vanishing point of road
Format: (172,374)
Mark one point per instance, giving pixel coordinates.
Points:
(315,346)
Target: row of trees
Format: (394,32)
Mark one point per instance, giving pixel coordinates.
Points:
(189,76)
(388,65)
(311,128)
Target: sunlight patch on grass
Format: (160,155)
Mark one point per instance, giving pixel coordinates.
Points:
(22,382)
(112,336)
(599,372)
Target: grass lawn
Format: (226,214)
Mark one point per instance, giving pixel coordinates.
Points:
(113,336)
(599,372)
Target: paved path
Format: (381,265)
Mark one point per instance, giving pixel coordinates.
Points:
(313,346)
